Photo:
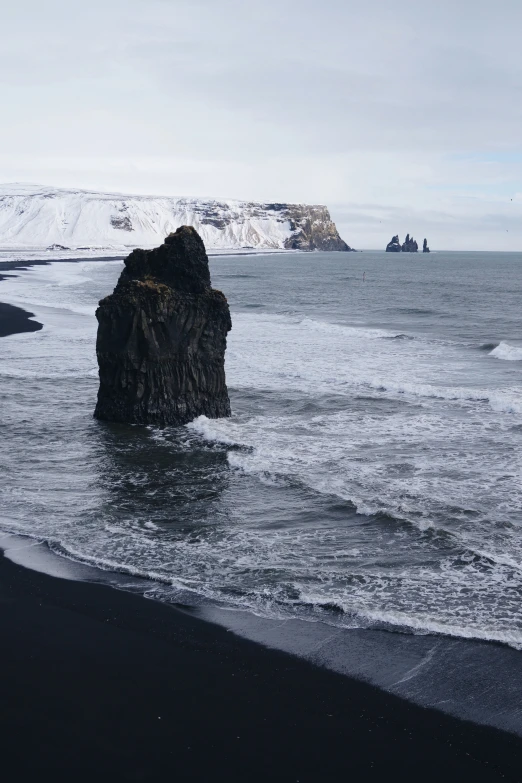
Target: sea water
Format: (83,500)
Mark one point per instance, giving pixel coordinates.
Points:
(370,476)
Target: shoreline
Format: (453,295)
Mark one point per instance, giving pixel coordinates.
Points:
(23,265)
(16,320)
(100,678)
(467,679)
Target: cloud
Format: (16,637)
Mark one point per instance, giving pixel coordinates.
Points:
(413,105)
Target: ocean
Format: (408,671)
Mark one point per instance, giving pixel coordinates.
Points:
(369,478)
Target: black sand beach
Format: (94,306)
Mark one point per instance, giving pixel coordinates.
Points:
(15,320)
(102,684)
(13,266)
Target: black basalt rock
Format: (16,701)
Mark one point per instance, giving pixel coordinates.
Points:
(425,248)
(394,246)
(162,338)
(409,245)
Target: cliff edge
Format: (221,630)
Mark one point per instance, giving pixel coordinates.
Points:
(40,217)
(312,229)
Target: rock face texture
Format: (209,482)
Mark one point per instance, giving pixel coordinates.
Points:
(425,248)
(312,228)
(394,246)
(162,338)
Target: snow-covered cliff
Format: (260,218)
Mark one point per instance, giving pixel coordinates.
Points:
(34,217)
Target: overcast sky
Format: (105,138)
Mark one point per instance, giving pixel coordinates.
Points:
(401,116)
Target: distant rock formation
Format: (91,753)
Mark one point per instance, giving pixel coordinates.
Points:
(162,338)
(394,246)
(425,248)
(408,246)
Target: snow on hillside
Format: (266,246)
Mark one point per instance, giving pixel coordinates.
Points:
(35,217)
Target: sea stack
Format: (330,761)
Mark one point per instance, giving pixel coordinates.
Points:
(425,248)
(410,245)
(394,246)
(162,338)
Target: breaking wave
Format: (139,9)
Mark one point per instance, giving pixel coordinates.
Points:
(510,353)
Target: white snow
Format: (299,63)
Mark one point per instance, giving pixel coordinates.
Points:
(37,217)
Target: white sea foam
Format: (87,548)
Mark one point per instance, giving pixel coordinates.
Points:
(510,353)
(314,357)
(420,624)
(413,467)
(341,330)
(506,401)
(411,600)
